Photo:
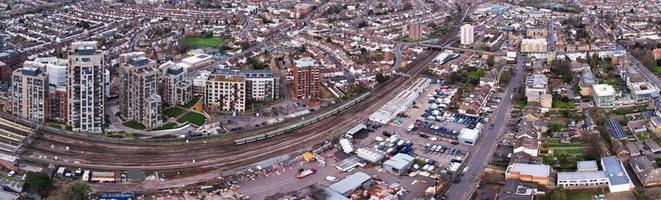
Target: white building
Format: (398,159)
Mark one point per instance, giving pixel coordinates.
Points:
(467,34)
(369,155)
(580,180)
(536,87)
(603,95)
(468,136)
(536,45)
(618,178)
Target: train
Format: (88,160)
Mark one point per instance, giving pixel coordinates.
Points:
(301,124)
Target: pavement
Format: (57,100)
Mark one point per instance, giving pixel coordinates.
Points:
(488,141)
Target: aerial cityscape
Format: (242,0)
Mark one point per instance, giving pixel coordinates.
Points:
(330,99)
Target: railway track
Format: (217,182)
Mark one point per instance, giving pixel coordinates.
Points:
(55,147)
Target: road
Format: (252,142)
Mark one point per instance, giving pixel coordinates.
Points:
(487,144)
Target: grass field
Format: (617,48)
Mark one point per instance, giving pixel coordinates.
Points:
(568,151)
(199,41)
(476,74)
(193,118)
(134,125)
(173,112)
(582,195)
(564,145)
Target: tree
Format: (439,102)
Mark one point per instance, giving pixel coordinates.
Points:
(38,182)
(380,78)
(76,191)
(490,60)
(557,194)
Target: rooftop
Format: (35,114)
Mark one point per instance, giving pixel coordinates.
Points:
(305,62)
(531,169)
(573,176)
(603,90)
(615,171)
(350,183)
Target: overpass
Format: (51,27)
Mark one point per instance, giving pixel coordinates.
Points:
(447,47)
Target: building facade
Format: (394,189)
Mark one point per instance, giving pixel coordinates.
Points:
(603,95)
(538,45)
(140,84)
(29,89)
(85,87)
(414,30)
(175,89)
(226,93)
(467,34)
(261,85)
(306,78)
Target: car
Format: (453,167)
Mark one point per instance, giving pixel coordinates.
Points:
(331,178)
(11,173)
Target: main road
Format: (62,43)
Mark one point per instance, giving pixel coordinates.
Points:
(486,146)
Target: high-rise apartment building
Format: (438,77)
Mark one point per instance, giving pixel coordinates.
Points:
(415,30)
(467,34)
(306,78)
(226,93)
(139,87)
(175,90)
(29,88)
(85,87)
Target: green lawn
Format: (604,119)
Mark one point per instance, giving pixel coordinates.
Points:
(563,102)
(582,195)
(199,41)
(134,125)
(191,103)
(564,145)
(568,151)
(194,118)
(173,112)
(476,74)
(165,127)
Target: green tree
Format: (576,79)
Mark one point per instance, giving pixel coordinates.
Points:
(76,191)
(380,78)
(38,182)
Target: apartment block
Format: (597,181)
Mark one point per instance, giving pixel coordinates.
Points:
(175,90)
(140,84)
(85,87)
(536,45)
(603,95)
(29,89)
(414,30)
(306,78)
(226,93)
(261,85)
(467,34)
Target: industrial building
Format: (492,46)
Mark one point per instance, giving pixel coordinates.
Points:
(352,182)
(399,164)
(400,102)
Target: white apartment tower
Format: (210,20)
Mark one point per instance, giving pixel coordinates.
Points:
(467,34)
(85,87)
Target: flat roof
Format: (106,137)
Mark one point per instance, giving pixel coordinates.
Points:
(531,169)
(586,165)
(575,176)
(603,90)
(350,183)
(305,62)
(613,168)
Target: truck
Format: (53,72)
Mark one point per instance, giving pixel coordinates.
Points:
(302,173)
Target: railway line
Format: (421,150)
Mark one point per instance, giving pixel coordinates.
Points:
(55,147)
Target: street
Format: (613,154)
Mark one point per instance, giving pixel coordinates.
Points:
(488,141)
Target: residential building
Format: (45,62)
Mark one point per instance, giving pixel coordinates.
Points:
(646,170)
(537,45)
(58,101)
(618,178)
(583,179)
(586,81)
(603,95)
(226,93)
(641,90)
(29,88)
(415,30)
(306,78)
(261,85)
(139,97)
(175,89)
(85,87)
(537,32)
(517,190)
(467,34)
(55,68)
(536,87)
(538,173)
